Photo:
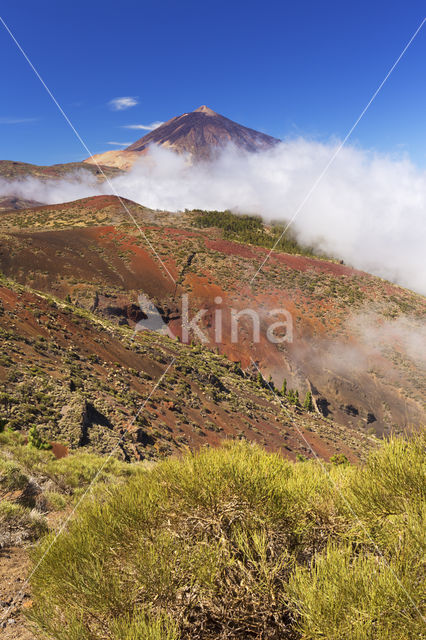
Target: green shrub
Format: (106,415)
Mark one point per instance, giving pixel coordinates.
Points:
(55,501)
(357,597)
(308,403)
(11,475)
(35,439)
(18,523)
(30,458)
(392,480)
(144,627)
(77,470)
(339,458)
(238,543)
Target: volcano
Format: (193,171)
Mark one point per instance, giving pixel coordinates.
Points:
(200,134)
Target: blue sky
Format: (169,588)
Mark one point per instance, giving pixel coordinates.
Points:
(285,68)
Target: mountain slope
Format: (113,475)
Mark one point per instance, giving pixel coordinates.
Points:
(353,333)
(88,384)
(12,170)
(200,133)
(14,203)
(18,172)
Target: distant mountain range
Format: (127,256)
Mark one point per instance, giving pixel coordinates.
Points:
(200,134)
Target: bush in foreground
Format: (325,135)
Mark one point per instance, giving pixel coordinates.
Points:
(237,543)
(33,483)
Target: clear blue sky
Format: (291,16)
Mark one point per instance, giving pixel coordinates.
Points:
(286,68)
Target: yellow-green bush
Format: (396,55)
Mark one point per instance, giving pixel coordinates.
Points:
(238,543)
(12,476)
(33,482)
(78,470)
(18,524)
(345,594)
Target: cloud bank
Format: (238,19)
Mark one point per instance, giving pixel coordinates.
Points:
(369,209)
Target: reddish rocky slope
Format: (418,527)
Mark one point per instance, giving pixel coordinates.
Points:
(90,251)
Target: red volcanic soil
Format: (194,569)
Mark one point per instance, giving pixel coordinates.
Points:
(59,450)
(175,416)
(149,274)
(91,254)
(117,265)
(301,263)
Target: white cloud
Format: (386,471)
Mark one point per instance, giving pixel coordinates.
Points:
(368,209)
(17,120)
(145,127)
(119,104)
(120,144)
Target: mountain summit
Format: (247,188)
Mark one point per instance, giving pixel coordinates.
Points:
(200,133)
(206,110)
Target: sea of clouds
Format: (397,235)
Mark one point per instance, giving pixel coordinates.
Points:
(368,209)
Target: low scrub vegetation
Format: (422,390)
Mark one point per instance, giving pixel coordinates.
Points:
(238,543)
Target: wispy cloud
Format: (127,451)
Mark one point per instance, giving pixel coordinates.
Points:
(125,102)
(120,144)
(145,127)
(17,120)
